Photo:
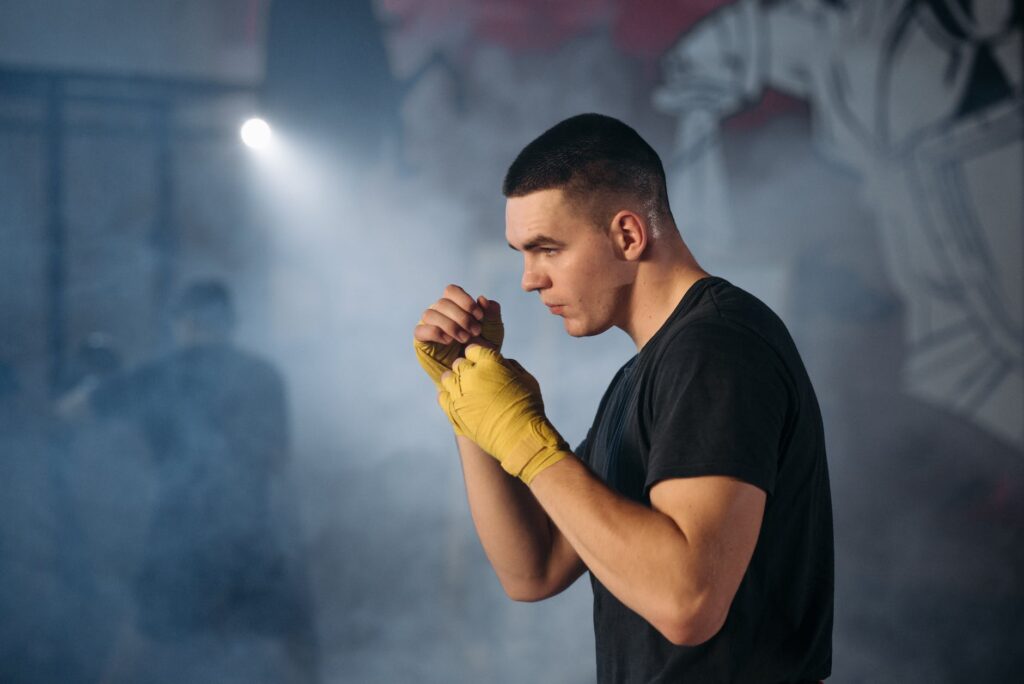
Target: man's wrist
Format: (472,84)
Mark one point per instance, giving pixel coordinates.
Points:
(541,448)
(542,462)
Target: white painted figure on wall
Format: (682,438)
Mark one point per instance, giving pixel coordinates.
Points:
(923,100)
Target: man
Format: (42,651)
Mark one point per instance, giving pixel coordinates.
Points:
(699,501)
(221,587)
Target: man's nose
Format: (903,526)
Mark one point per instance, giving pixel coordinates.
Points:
(533,280)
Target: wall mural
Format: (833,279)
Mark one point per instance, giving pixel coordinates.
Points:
(922,99)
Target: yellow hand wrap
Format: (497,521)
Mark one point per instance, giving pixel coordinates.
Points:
(437,358)
(498,405)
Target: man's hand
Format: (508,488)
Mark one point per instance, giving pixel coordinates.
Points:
(497,404)
(450,324)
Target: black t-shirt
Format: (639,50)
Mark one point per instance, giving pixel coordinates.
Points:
(720,390)
(217,551)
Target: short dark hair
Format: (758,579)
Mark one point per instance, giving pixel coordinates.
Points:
(589,154)
(207,304)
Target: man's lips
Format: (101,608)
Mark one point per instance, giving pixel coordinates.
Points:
(555,308)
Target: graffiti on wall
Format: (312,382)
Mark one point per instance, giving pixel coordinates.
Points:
(922,99)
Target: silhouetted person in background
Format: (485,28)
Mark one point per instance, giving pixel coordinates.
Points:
(104,486)
(96,358)
(220,595)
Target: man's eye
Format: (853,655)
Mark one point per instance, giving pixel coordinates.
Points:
(549,251)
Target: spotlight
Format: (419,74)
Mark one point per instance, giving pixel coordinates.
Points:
(256,134)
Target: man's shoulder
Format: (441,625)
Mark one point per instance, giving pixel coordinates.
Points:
(224,365)
(725,315)
(727,332)
(227,357)
(722,301)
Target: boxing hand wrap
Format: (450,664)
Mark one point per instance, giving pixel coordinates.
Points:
(498,405)
(436,359)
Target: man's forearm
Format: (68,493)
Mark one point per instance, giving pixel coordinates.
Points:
(531,557)
(677,562)
(640,554)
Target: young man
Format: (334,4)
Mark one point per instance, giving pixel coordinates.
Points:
(221,584)
(699,501)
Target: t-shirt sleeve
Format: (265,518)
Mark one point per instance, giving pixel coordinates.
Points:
(718,406)
(581,449)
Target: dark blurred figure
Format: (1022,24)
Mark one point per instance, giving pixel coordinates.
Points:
(928,508)
(105,487)
(36,600)
(96,358)
(221,594)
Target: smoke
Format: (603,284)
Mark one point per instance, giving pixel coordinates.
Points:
(333,258)
(352,269)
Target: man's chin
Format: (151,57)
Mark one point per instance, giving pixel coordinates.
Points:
(578,329)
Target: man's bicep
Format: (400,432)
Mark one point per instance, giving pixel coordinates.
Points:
(721,519)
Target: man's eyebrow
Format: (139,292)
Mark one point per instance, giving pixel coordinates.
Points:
(538,241)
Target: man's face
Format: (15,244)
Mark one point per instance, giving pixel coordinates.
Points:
(572,264)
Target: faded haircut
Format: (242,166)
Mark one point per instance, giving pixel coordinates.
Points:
(207,304)
(596,160)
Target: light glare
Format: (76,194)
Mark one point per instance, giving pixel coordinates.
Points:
(256,134)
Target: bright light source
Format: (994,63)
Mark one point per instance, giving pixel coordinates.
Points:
(256,134)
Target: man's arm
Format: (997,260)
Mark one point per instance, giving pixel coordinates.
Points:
(531,557)
(677,564)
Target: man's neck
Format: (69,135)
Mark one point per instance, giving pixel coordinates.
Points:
(661,283)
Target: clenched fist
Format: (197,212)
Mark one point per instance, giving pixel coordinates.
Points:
(450,324)
(497,404)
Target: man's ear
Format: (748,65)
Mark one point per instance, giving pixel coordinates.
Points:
(630,233)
